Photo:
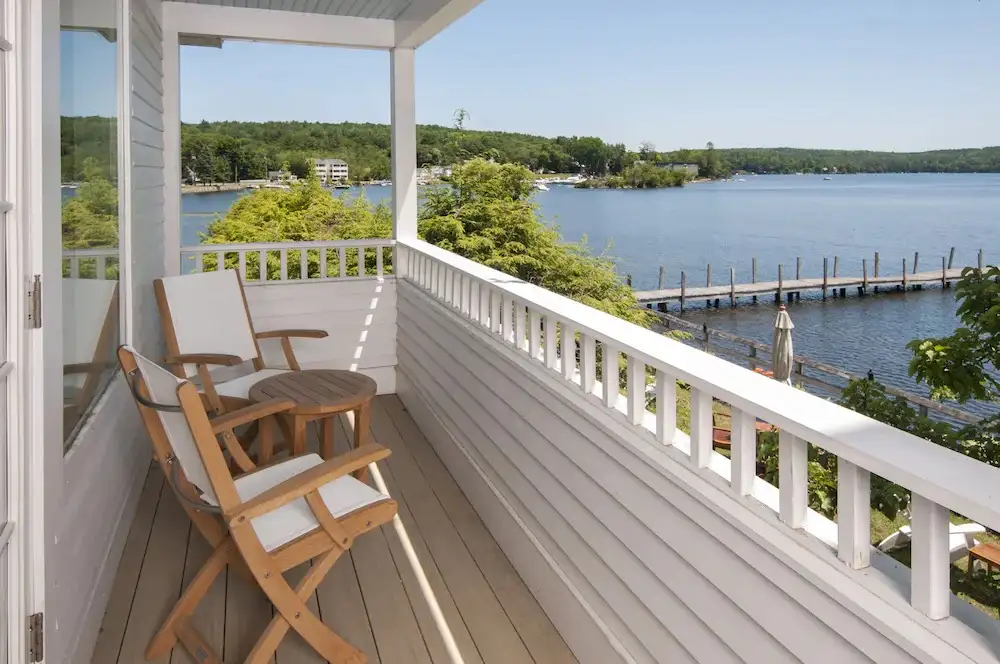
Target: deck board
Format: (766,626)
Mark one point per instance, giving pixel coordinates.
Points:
(371,597)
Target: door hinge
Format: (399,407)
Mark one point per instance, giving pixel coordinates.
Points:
(35,303)
(36,637)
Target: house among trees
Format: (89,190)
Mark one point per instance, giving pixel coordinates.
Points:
(690,169)
(331,170)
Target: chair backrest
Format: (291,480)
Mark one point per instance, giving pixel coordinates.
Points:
(162,386)
(206,313)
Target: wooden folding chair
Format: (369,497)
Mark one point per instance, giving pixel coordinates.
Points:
(268,520)
(206,323)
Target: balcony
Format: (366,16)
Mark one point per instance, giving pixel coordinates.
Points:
(560,517)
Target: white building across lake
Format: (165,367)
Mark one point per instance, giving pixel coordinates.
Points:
(331,170)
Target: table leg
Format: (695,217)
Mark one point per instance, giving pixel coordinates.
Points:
(969,570)
(362,417)
(299,428)
(327,425)
(266,449)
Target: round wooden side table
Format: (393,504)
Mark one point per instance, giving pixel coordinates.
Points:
(320,394)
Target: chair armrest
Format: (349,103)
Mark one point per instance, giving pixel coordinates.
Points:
(299,334)
(206,358)
(250,414)
(311,480)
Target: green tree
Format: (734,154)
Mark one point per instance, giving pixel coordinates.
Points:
(962,365)
(90,218)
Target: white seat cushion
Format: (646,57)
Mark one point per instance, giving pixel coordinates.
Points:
(239,388)
(275,529)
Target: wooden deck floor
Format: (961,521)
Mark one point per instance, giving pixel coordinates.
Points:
(371,597)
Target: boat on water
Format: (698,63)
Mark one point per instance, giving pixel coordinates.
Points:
(828,178)
(571,180)
(541,186)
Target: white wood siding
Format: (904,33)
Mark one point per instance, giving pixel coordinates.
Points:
(645,550)
(104,471)
(358,314)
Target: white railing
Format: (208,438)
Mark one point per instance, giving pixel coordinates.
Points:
(89,263)
(289,261)
(534,320)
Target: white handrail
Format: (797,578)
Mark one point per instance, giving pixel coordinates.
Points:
(332,254)
(935,475)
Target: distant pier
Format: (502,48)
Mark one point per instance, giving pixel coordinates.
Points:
(831,284)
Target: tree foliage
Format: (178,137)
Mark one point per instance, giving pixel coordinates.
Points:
(637,176)
(963,365)
(90,219)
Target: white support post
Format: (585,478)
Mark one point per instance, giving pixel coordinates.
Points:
(666,408)
(495,301)
(568,357)
(549,336)
(404,144)
(636,390)
(484,305)
(853,514)
(520,338)
(743,449)
(534,334)
(793,479)
(930,589)
(701,428)
(172,150)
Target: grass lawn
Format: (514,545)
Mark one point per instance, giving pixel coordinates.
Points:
(982,590)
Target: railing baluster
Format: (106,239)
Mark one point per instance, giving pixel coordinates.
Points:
(549,336)
(342,256)
(534,334)
(743,451)
(242,258)
(484,304)
(466,293)
(636,390)
(283,255)
(588,363)
(303,264)
(198,257)
(102,268)
(361,262)
(568,356)
(495,302)
(853,514)
(701,428)
(506,324)
(930,589)
(322,263)
(74,268)
(609,377)
(220,261)
(793,479)
(475,310)
(666,408)
(379,260)
(520,338)
(456,289)
(262,257)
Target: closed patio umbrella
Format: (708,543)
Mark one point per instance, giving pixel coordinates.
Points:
(781,348)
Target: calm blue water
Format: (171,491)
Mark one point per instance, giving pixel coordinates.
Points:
(777,219)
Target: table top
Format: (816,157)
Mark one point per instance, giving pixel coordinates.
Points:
(317,391)
(988,551)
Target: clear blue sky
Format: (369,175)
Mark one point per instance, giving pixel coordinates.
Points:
(883,74)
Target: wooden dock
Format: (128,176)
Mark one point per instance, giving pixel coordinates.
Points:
(829,285)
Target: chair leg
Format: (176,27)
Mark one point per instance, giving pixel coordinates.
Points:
(175,627)
(294,613)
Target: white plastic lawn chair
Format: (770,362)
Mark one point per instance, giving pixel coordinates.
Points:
(960,539)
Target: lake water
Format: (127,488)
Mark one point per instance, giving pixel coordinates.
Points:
(778,219)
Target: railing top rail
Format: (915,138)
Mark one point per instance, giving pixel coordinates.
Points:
(276,246)
(948,478)
(90,253)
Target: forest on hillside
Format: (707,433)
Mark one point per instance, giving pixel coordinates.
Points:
(223,151)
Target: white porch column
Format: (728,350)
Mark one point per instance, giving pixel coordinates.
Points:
(404,144)
(171,144)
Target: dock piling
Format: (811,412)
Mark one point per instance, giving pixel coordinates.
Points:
(916,257)
(836,266)
(661,279)
(876,272)
(951,257)
(825,262)
(683,289)
(944,273)
(798,268)
(628,280)
(754,271)
(732,287)
(864,275)
(777,298)
(904,274)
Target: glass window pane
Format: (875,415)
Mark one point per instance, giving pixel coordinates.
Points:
(89,106)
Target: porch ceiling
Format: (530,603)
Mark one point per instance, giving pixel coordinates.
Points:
(384,9)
